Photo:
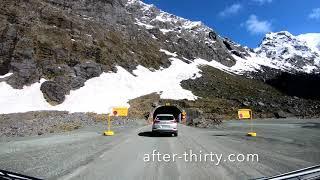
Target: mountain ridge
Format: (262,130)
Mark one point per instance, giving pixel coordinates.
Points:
(67,54)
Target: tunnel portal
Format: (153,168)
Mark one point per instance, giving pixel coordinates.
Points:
(172,109)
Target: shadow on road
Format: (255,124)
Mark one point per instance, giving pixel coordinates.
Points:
(151,134)
(220,135)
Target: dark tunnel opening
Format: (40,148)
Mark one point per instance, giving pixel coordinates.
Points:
(174,110)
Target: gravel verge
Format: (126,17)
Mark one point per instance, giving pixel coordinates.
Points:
(46,122)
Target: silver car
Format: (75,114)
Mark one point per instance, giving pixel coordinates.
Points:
(165,123)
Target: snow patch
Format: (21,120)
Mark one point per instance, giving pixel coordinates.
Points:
(164,17)
(147,26)
(6,75)
(312,40)
(192,25)
(102,93)
(29,98)
(169,53)
(165,31)
(309,69)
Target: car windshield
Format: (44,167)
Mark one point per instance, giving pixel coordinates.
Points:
(165,118)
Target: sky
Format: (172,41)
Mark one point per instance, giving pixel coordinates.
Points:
(247,21)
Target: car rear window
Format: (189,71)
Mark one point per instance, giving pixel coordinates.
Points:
(165,118)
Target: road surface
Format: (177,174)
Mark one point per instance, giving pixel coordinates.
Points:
(281,145)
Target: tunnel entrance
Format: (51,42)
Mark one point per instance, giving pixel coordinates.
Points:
(172,109)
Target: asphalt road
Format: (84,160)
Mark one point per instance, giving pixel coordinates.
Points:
(281,145)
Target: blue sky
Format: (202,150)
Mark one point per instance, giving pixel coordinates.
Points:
(247,21)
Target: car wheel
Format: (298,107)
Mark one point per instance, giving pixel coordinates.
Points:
(176,134)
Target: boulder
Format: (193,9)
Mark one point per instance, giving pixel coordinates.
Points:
(281,114)
(77,82)
(88,70)
(25,73)
(53,92)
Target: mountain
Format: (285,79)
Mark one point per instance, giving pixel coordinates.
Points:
(291,53)
(90,55)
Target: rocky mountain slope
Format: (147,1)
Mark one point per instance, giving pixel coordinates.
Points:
(290,53)
(90,55)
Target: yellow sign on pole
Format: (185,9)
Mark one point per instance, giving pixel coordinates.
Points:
(116,111)
(109,132)
(120,111)
(245,114)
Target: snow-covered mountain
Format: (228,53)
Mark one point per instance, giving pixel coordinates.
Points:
(291,53)
(90,55)
(280,50)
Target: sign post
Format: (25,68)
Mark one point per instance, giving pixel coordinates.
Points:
(247,114)
(109,132)
(116,111)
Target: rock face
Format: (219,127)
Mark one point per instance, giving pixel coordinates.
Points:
(23,64)
(69,42)
(189,39)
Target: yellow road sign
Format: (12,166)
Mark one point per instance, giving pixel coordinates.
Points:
(120,111)
(245,114)
(116,111)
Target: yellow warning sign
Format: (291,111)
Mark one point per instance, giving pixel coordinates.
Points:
(245,114)
(120,111)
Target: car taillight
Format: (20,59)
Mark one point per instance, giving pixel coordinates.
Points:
(156,121)
(173,121)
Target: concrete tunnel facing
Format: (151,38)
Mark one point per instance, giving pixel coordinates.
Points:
(175,110)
